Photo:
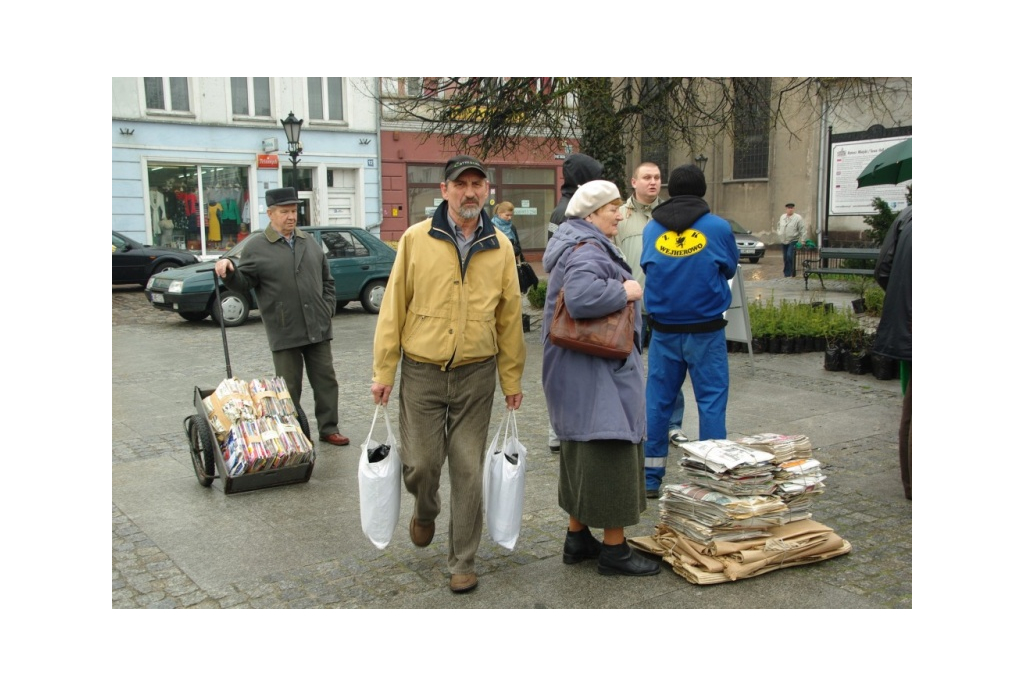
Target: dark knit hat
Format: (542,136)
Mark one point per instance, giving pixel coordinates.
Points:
(687,180)
(282,196)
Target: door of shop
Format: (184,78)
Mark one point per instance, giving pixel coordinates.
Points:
(341,197)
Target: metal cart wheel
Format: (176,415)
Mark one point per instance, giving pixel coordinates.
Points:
(200,443)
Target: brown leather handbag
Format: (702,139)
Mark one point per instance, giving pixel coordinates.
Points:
(610,336)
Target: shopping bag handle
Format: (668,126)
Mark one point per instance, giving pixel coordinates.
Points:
(511,424)
(374,422)
(387,420)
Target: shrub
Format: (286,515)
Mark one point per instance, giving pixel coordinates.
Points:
(874,298)
(799,319)
(537,294)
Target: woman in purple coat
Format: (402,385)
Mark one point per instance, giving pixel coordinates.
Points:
(596,405)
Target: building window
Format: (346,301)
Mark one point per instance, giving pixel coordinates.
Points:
(199,207)
(531,190)
(410,87)
(325,98)
(250,96)
(654,148)
(751,116)
(300,178)
(161,90)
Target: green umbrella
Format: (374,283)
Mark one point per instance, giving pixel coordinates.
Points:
(892,166)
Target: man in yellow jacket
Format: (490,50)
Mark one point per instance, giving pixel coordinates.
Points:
(452,317)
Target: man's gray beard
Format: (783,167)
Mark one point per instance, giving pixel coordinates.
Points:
(470,212)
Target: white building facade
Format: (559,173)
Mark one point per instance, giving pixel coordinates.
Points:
(193,157)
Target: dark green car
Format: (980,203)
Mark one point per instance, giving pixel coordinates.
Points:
(360,263)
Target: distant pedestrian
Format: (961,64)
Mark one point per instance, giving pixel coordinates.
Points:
(791,231)
(502,220)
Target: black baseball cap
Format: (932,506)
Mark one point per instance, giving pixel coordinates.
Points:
(458,165)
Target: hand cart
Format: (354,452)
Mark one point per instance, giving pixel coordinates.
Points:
(207,457)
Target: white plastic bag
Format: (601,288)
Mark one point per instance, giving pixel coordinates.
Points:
(380,485)
(504,483)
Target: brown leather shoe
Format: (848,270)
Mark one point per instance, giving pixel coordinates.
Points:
(462,582)
(421,532)
(335,439)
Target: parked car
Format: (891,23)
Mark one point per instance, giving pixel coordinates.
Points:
(360,263)
(749,246)
(135,263)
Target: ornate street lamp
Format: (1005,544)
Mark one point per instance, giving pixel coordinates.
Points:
(292,129)
(701,161)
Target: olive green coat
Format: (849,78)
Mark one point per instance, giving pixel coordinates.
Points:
(294,288)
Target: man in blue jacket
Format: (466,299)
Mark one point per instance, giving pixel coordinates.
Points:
(688,256)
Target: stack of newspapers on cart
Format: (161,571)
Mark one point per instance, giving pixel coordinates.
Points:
(742,508)
(256,426)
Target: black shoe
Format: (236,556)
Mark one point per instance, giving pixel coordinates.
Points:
(555,448)
(622,560)
(653,494)
(580,545)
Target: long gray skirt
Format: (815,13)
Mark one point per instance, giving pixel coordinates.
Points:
(601,482)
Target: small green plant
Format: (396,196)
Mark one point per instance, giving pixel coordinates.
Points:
(861,285)
(801,319)
(874,298)
(537,294)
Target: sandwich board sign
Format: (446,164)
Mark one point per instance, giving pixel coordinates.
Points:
(738,316)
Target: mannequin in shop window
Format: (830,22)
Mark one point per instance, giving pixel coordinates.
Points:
(213,223)
(190,204)
(229,217)
(157,212)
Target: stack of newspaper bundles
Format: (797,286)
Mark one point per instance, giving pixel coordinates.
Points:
(256,426)
(742,509)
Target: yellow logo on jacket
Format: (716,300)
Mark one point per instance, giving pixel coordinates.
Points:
(689,242)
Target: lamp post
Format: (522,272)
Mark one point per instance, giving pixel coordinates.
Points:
(701,161)
(292,129)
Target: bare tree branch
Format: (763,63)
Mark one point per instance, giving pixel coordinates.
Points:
(497,116)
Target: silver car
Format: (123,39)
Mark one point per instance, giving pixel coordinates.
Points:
(750,247)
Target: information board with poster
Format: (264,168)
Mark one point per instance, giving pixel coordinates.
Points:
(848,160)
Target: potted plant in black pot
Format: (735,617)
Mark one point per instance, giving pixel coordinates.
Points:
(860,286)
(858,358)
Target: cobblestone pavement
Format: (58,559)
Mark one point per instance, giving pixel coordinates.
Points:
(176,544)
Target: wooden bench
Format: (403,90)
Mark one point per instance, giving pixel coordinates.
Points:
(830,260)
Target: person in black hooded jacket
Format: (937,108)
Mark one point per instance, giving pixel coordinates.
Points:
(577,169)
(689,255)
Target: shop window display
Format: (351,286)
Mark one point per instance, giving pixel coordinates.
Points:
(181,206)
